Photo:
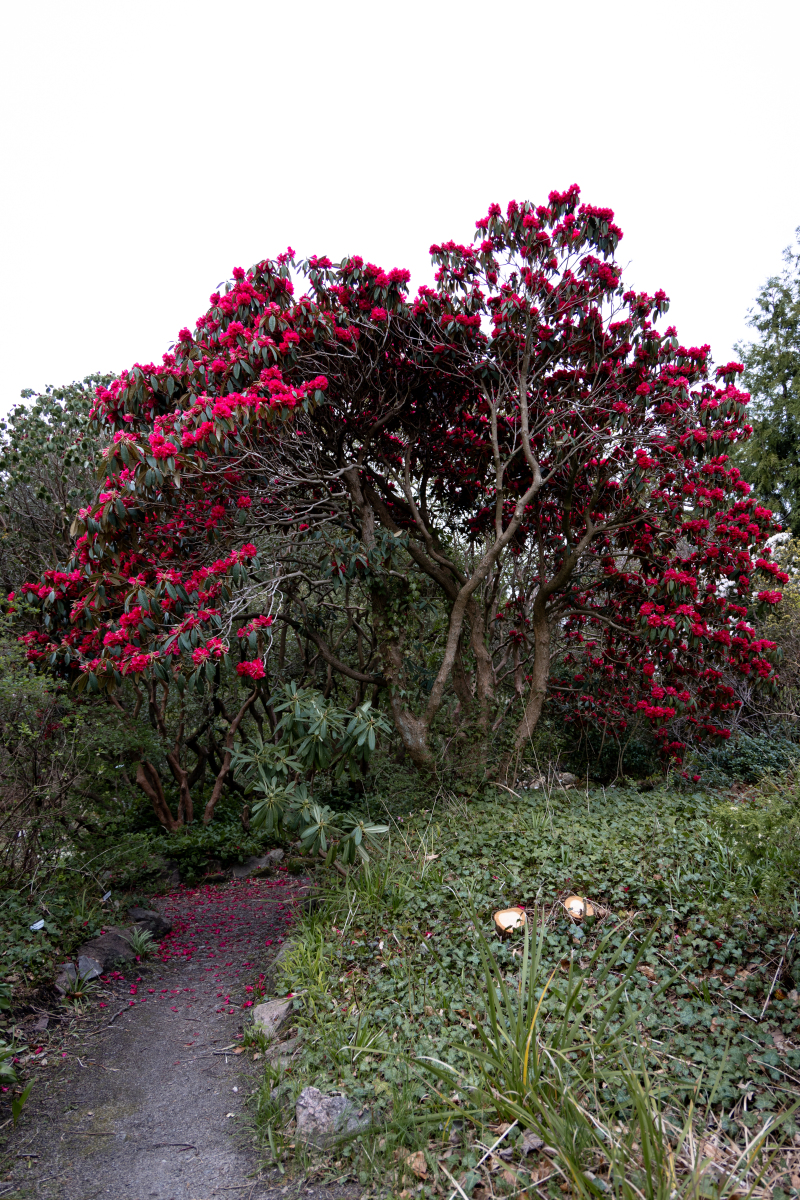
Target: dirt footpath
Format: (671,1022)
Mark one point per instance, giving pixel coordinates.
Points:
(149,1104)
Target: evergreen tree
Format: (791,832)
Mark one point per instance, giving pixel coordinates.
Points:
(771,459)
(48,462)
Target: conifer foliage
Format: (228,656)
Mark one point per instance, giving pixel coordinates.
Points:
(771,458)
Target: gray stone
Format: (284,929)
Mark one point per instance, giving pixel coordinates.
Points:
(531,1142)
(275,969)
(254,865)
(149,919)
(312,901)
(242,870)
(284,952)
(533,783)
(108,948)
(168,875)
(67,974)
(564,779)
(322,1120)
(272,1015)
(281,1052)
(89,968)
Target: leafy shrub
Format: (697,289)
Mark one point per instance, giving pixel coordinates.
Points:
(765,831)
(312,735)
(195,847)
(748,757)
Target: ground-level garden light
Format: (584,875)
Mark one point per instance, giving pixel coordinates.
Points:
(578,907)
(508,919)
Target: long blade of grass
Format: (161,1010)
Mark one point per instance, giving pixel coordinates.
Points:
(532,1028)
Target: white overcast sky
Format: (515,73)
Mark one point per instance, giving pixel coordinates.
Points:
(148,148)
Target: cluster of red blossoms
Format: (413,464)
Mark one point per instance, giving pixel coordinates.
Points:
(641,542)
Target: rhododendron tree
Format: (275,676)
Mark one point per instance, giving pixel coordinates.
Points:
(512,485)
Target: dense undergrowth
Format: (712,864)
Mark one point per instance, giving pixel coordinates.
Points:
(125,858)
(693,950)
(692,964)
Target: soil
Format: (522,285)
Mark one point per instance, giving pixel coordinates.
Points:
(143,1097)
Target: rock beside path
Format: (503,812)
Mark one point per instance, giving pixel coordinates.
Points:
(283,1052)
(275,968)
(112,946)
(152,921)
(272,1016)
(257,866)
(322,1120)
(96,957)
(89,968)
(67,974)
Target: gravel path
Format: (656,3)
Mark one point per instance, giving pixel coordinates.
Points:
(149,1104)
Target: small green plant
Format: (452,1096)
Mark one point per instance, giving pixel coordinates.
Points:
(79,989)
(18,1102)
(254,1038)
(313,735)
(83,908)
(8,1072)
(365,1040)
(379,885)
(141,942)
(9,1077)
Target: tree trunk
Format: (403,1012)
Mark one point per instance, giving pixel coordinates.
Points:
(414,735)
(148,780)
(484,670)
(185,806)
(413,730)
(537,694)
(222,775)
(462,686)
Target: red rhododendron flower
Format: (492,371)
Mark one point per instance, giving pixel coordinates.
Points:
(254,669)
(526,403)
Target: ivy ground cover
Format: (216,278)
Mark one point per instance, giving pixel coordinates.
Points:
(391,972)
